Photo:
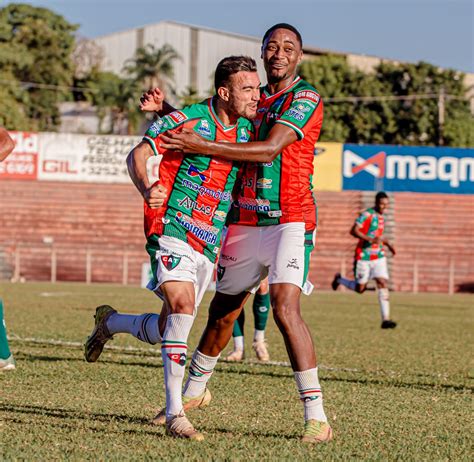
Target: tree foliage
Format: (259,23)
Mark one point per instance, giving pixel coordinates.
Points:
(35,46)
(388,120)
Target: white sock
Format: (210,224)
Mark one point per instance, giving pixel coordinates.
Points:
(309,389)
(200,371)
(384,302)
(347,283)
(239,343)
(258,335)
(144,327)
(173,350)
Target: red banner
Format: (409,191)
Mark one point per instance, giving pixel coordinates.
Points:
(22,163)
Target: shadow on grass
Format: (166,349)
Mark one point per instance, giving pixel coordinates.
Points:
(69,414)
(244,370)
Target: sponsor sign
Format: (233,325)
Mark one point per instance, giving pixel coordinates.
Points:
(407,168)
(22,163)
(327,167)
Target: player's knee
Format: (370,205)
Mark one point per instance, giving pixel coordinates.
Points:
(182,305)
(286,315)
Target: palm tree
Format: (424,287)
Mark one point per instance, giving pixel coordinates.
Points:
(153,66)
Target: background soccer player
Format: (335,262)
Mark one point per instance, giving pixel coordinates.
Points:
(6,358)
(370,260)
(273,225)
(184,236)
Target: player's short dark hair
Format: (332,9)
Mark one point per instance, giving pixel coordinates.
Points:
(231,65)
(283,25)
(381,195)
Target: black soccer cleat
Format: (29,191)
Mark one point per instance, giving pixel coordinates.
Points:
(388,324)
(335,281)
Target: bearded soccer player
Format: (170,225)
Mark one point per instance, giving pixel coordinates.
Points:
(7,363)
(370,260)
(273,225)
(183,236)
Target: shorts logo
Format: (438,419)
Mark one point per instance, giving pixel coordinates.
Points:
(178,358)
(220,272)
(193,171)
(228,258)
(170,261)
(293,263)
(264,183)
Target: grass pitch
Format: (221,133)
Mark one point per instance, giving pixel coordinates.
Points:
(404,394)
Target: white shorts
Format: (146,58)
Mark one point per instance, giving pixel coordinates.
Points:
(371,269)
(174,260)
(250,253)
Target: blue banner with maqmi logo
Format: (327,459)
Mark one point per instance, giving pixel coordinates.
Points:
(407,168)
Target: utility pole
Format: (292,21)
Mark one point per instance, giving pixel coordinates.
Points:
(441,109)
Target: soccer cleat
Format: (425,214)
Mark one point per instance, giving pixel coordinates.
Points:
(316,431)
(197,402)
(235,355)
(100,334)
(388,324)
(7,364)
(261,350)
(335,281)
(178,426)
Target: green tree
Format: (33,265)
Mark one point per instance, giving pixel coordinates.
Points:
(153,67)
(40,43)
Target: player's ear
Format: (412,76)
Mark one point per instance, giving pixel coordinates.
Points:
(300,57)
(223,93)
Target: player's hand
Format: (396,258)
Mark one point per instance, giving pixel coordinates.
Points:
(186,140)
(152,100)
(376,240)
(156,196)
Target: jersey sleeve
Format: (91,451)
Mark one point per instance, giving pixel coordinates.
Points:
(168,122)
(362,218)
(304,113)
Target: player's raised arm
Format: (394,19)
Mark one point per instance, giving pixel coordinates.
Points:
(6,144)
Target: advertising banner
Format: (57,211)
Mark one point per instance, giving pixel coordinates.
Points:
(327,167)
(408,168)
(22,163)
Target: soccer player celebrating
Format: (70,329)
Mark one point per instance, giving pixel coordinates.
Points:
(273,222)
(183,236)
(7,362)
(370,260)
(260,308)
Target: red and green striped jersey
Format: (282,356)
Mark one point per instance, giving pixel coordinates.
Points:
(199,186)
(280,191)
(371,224)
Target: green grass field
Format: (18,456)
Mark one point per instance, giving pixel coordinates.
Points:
(390,395)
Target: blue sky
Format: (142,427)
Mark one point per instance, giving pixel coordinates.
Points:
(440,32)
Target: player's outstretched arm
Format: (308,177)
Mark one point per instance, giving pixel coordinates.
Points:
(154,196)
(189,141)
(6,144)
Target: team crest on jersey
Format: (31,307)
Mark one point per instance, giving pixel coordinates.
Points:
(220,272)
(170,261)
(178,358)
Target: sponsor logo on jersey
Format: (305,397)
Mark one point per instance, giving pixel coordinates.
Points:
(201,230)
(275,213)
(178,117)
(264,183)
(293,263)
(155,128)
(204,129)
(170,261)
(295,114)
(193,171)
(244,136)
(189,204)
(254,205)
(220,272)
(203,191)
(307,94)
(220,215)
(178,358)
(266,164)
